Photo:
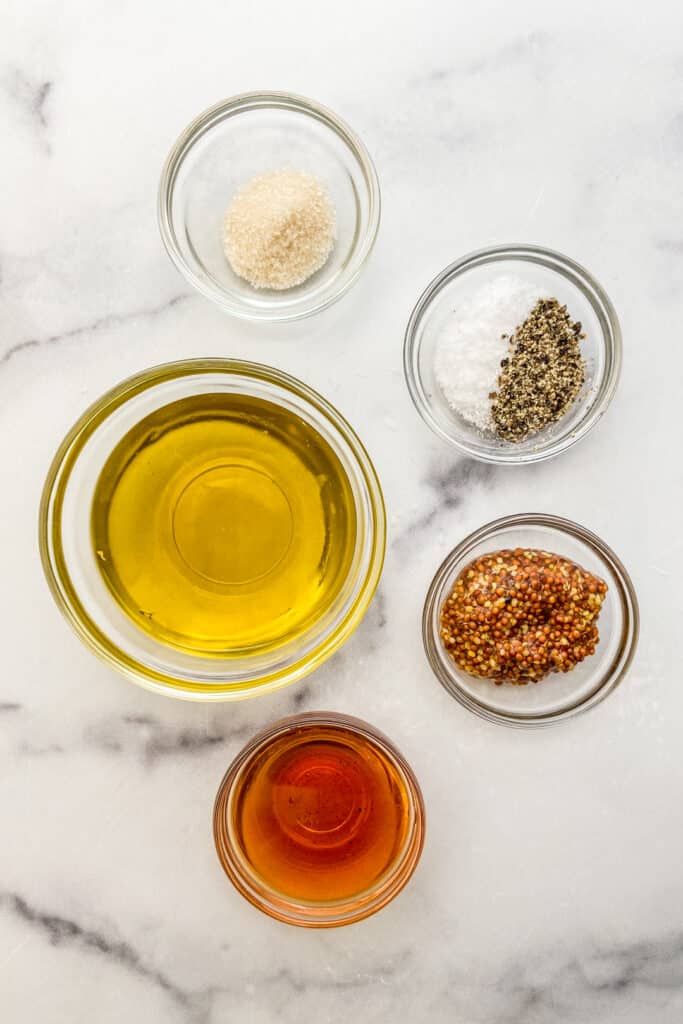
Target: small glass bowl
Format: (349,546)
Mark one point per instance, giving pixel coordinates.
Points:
(223,149)
(310,914)
(559,277)
(78,587)
(560,695)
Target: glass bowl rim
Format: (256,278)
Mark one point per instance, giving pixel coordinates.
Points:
(626,596)
(254,101)
(611,341)
(57,574)
(319,914)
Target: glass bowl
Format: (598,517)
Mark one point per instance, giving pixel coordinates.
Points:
(78,586)
(314,824)
(559,277)
(560,695)
(224,148)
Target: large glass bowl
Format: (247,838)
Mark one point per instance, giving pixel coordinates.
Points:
(248,135)
(558,277)
(77,584)
(560,695)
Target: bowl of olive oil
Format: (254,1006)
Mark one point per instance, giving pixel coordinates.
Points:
(213,529)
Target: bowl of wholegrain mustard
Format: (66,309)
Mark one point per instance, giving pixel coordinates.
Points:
(529,620)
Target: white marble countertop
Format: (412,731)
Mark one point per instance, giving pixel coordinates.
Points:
(551,887)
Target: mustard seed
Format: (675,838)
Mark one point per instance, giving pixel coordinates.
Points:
(551,629)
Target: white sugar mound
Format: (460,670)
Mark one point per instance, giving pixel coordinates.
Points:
(279,229)
(470,347)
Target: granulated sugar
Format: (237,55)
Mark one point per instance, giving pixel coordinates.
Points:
(279,229)
(474,342)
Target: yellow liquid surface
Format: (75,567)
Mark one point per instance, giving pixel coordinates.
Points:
(223,524)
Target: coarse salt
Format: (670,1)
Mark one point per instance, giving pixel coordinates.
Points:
(471,345)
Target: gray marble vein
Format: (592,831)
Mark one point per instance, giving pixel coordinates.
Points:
(301,697)
(150,739)
(32,96)
(451,483)
(63,931)
(525,50)
(104,323)
(553,987)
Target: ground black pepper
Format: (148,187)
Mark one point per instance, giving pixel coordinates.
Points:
(542,375)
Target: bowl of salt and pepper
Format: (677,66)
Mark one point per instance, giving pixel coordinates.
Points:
(269,205)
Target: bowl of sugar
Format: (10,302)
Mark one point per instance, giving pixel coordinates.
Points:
(512,354)
(269,205)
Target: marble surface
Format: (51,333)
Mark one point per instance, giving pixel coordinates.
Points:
(551,885)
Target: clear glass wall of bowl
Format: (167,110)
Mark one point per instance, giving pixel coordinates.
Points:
(559,695)
(78,586)
(249,135)
(555,275)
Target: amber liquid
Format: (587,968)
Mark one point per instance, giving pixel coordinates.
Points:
(321,813)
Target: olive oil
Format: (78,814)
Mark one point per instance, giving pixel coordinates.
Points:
(224,524)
